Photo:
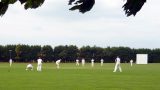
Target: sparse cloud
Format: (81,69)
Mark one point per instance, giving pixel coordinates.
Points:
(105,25)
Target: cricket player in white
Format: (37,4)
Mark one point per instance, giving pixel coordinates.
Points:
(92,62)
(131,62)
(77,62)
(29,67)
(83,62)
(102,62)
(10,62)
(117,66)
(57,63)
(39,65)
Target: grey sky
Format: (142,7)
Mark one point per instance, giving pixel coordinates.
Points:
(105,25)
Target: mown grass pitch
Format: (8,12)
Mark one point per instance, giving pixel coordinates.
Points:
(71,77)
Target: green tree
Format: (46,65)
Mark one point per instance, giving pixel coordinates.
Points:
(108,54)
(131,7)
(2,51)
(154,56)
(58,52)
(25,55)
(35,51)
(47,52)
(97,53)
(124,53)
(66,53)
(18,52)
(71,53)
(86,52)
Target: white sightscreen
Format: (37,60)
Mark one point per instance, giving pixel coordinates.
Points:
(142,59)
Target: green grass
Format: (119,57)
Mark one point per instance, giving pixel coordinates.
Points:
(71,77)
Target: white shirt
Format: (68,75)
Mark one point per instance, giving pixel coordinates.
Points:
(102,60)
(10,60)
(118,60)
(77,60)
(83,61)
(58,61)
(29,65)
(39,61)
(92,60)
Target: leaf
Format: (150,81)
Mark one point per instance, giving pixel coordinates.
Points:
(131,7)
(12,1)
(3,8)
(23,1)
(82,5)
(33,4)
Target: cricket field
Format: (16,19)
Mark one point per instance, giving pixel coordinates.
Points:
(72,77)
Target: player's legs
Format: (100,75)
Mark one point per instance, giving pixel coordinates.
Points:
(26,68)
(92,64)
(57,66)
(10,64)
(120,69)
(38,67)
(101,64)
(32,68)
(77,63)
(83,63)
(115,68)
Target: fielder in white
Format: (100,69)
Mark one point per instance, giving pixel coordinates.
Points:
(77,62)
(57,63)
(117,66)
(131,62)
(10,62)
(83,62)
(102,62)
(92,62)
(39,65)
(29,67)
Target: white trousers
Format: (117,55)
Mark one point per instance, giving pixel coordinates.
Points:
(77,63)
(83,63)
(39,67)
(117,66)
(101,63)
(131,64)
(10,64)
(92,64)
(57,65)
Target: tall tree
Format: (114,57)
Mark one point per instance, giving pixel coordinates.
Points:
(59,52)
(35,51)
(47,52)
(18,52)
(72,53)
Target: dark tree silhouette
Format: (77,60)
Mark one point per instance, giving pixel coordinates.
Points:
(82,5)
(4,4)
(131,7)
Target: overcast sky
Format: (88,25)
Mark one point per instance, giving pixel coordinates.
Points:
(105,25)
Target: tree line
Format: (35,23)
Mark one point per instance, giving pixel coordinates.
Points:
(69,53)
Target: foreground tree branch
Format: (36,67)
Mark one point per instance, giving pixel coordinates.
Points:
(131,7)
(82,5)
